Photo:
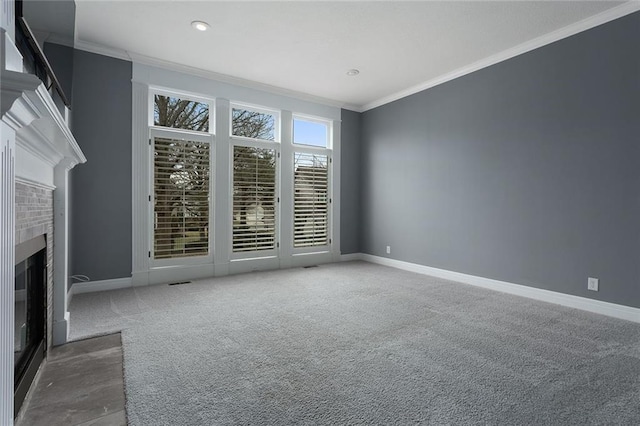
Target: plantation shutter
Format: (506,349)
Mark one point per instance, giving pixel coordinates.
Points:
(254,199)
(310,208)
(181,198)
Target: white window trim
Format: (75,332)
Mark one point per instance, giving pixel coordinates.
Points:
(258,254)
(170,133)
(331,168)
(304,149)
(148,78)
(250,142)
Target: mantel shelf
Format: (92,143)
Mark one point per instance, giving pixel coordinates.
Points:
(28,108)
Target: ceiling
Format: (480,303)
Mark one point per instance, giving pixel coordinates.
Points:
(308,47)
(56,17)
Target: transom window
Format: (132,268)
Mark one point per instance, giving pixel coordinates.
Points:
(310,132)
(254,123)
(179,113)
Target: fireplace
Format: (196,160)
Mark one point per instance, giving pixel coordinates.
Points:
(30,314)
(37,150)
(33,294)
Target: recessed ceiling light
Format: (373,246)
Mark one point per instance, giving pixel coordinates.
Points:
(353,72)
(200,25)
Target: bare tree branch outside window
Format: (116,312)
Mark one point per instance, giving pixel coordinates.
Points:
(252,124)
(180,114)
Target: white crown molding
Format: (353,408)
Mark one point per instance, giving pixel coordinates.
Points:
(572,29)
(562,33)
(596,306)
(102,50)
(210,75)
(224,78)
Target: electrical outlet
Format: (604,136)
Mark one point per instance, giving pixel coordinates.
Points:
(592,284)
(388,249)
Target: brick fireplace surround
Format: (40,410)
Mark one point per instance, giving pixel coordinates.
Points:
(34,217)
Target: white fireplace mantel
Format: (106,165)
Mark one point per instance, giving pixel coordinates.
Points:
(45,151)
(43,138)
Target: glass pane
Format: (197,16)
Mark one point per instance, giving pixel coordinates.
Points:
(181,189)
(252,124)
(310,201)
(180,114)
(20,310)
(29,326)
(309,133)
(254,199)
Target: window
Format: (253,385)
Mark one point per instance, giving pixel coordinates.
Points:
(181,173)
(310,132)
(254,179)
(310,202)
(257,195)
(311,198)
(254,199)
(253,123)
(180,114)
(181,161)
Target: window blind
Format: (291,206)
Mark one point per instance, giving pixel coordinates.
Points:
(310,207)
(254,199)
(181,198)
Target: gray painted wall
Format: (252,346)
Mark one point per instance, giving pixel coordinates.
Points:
(101,188)
(61,60)
(350,153)
(527,171)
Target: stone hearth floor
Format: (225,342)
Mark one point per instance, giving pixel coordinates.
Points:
(80,384)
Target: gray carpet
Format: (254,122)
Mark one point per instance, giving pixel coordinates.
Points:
(357,343)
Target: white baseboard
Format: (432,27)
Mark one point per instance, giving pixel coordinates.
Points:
(93,286)
(350,257)
(60,331)
(168,274)
(596,306)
